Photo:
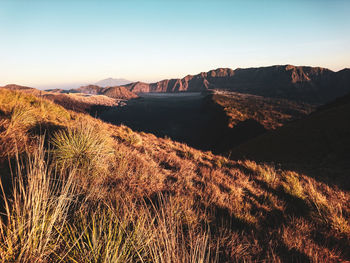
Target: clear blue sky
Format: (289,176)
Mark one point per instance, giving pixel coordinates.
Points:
(43,43)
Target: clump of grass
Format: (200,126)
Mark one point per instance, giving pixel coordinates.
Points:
(292,185)
(134,139)
(82,147)
(187,154)
(175,241)
(104,236)
(221,162)
(268,174)
(20,118)
(326,212)
(339,222)
(265,172)
(39,206)
(125,134)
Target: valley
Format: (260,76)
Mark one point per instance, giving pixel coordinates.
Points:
(210,120)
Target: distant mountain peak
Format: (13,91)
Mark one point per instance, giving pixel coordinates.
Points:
(111,82)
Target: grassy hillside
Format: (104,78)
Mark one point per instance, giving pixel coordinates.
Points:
(78,102)
(86,191)
(81,102)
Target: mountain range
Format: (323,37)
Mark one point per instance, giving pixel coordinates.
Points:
(299,83)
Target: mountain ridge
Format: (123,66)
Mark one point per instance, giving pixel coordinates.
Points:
(310,84)
(299,83)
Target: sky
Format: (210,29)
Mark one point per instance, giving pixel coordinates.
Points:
(56,43)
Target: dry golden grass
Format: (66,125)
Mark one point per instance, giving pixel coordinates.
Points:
(80,102)
(36,211)
(156,200)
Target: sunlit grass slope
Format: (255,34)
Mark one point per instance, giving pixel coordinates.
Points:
(86,191)
(269,112)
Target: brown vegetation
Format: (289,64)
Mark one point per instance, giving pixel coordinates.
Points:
(145,199)
(80,102)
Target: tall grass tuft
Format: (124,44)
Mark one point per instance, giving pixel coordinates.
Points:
(173,239)
(20,118)
(104,235)
(83,148)
(38,208)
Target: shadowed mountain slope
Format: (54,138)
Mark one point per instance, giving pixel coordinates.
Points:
(319,141)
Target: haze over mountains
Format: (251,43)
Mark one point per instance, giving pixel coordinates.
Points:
(301,83)
(109,82)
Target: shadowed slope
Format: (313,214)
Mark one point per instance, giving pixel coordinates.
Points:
(320,141)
